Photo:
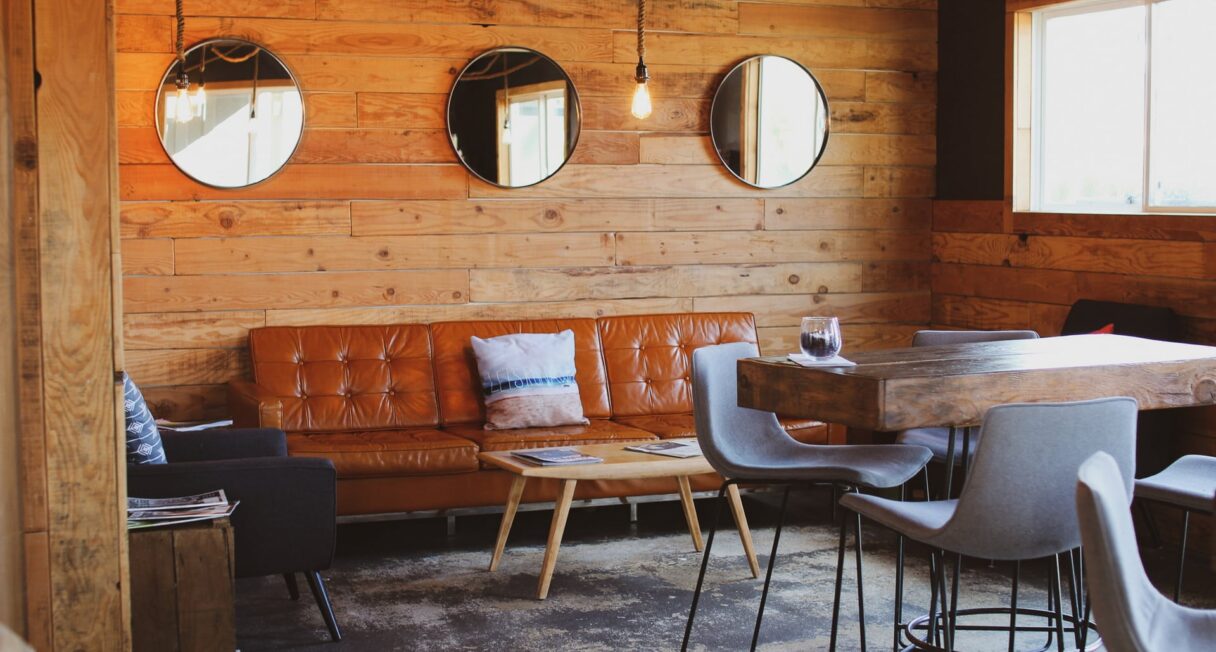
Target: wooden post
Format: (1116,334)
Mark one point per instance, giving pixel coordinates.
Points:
(60,167)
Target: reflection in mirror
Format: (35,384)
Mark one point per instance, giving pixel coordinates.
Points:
(236,116)
(769,121)
(513,117)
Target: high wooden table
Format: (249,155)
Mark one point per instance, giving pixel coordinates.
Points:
(955,385)
(618,464)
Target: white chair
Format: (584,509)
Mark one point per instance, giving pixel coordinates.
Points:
(1132,616)
(1188,483)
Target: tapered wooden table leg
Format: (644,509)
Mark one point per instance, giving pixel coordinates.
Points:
(508,517)
(690,512)
(556,528)
(745,533)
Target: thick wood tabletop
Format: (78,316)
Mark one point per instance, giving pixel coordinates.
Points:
(618,464)
(896,389)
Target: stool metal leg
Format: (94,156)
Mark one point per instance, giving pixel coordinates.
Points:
(1059,609)
(839,581)
(1186,521)
(709,544)
(1153,533)
(861,600)
(947,635)
(772,558)
(1013,605)
(932,634)
(958,565)
(948,485)
(899,579)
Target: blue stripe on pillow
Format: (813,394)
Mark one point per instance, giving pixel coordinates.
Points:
(518,383)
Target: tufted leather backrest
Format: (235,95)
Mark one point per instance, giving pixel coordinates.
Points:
(648,357)
(459,386)
(347,377)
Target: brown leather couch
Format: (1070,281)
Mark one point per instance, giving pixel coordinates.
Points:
(398,408)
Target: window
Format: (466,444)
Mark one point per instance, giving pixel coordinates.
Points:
(531,132)
(1121,117)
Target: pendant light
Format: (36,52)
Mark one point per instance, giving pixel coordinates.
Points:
(506,102)
(253,95)
(641,106)
(183,110)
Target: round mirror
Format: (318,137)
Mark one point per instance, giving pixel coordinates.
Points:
(232,115)
(513,117)
(769,121)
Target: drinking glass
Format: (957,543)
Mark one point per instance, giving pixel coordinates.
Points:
(821,337)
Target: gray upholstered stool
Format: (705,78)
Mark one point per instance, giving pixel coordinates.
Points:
(750,446)
(1011,505)
(948,448)
(1188,483)
(1131,615)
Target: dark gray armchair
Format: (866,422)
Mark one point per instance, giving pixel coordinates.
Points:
(285,523)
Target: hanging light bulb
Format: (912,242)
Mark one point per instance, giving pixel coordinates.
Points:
(185,112)
(641,105)
(506,102)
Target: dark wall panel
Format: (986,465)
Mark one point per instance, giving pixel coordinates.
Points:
(971,99)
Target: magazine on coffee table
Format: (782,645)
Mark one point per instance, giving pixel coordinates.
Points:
(680,449)
(555,457)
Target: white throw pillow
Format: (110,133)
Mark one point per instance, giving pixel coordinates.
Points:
(527,380)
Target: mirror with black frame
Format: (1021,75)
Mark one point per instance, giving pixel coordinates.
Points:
(769,121)
(513,117)
(230,115)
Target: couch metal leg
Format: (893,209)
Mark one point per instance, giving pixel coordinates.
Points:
(293,589)
(327,610)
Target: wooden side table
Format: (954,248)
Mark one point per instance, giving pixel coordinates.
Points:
(182,587)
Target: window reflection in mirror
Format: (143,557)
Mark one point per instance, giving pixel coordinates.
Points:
(769,121)
(513,117)
(238,118)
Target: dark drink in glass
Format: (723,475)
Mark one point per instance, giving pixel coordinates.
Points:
(820,338)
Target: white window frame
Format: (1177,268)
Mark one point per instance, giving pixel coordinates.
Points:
(1038,118)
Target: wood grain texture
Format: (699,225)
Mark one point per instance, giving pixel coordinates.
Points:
(373,222)
(918,387)
(86,490)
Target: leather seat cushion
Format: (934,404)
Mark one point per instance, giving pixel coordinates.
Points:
(649,357)
(599,431)
(420,451)
(675,426)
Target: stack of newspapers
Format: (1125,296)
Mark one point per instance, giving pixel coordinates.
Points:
(159,512)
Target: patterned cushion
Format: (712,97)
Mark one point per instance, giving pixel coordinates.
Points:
(143,439)
(527,380)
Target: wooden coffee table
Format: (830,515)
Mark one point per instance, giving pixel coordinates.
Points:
(618,464)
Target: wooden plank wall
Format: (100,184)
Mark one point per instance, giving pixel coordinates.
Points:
(12,567)
(373,221)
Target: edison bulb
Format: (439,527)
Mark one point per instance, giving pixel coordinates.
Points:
(200,96)
(641,106)
(506,133)
(184,111)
